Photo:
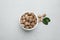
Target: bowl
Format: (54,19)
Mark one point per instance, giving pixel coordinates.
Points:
(22,26)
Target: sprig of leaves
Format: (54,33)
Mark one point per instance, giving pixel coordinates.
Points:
(46,20)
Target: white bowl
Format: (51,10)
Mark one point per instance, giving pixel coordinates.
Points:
(31,28)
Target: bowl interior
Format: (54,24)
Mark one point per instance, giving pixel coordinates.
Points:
(31,28)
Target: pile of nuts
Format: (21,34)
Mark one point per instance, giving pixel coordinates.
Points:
(29,20)
(40,17)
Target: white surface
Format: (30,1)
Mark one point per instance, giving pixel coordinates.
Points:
(10,10)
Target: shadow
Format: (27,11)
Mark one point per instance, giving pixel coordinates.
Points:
(25,31)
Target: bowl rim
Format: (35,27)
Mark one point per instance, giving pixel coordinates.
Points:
(31,28)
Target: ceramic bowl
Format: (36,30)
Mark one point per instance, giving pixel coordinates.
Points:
(22,26)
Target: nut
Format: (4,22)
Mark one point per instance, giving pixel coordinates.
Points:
(29,20)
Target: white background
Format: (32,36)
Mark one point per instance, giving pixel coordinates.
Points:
(10,10)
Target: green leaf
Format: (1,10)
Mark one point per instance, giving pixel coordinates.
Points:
(46,20)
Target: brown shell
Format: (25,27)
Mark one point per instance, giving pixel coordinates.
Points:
(29,20)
